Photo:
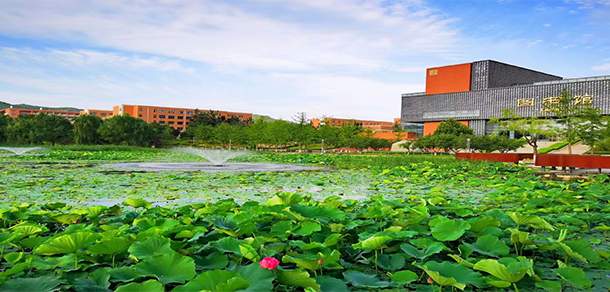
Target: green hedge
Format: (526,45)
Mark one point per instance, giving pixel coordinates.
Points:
(555,146)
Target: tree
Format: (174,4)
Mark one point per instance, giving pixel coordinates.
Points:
(490,143)
(303,132)
(126,130)
(278,132)
(85,129)
(590,127)
(453,127)
(210,118)
(161,132)
(330,135)
(531,128)
(5,122)
(39,129)
(567,109)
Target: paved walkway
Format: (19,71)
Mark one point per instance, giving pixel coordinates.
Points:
(577,148)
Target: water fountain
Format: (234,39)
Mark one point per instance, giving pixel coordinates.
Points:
(217,163)
(19,150)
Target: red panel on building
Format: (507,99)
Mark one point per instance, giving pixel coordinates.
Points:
(454,78)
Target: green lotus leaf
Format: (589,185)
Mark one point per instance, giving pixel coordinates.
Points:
(373,242)
(18,268)
(147,286)
(391,262)
(249,252)
(40,284)
(64,262)
(13,257)
(306,246)
(478,224)
(432,249)
(168,268)
(532,221)
(259,279)
(583,248)
(150,247)
(96,211)
(459,272)
(215,281)
(568,250)
(54,206)
(450,230)
(65,244)
(499,284)
(550,286)
(28,229)
(404,277)
(461,261)
(362,280)
(124,274)
(303,262)
(330,284)
(68,218)
(499,270)
(285,199)
(228,244)
(213,261)
(332,239)
(574,276)
(282,228)
(297,278)
(443,281)
(137,203)
(307,228)
(113,246)
(490,245)
(96,282)
(517,236)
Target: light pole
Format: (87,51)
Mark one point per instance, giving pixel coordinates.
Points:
(322,151)
(468,145)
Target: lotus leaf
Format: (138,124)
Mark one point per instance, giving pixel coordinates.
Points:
(490,245)
(258,279)
(450,230)
(147,286)
(373,242)
(432,249)
(500,271)
(297,278)
(65,244)
(168,268)
(404,277)
(574,276)
(215,281)
(40,284)
(137,203)
(330,284)
(459,272)
(150,247)
(362,280)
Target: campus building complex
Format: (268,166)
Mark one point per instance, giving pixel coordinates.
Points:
(16,112)
(177,118)
(376,126)
(474,93)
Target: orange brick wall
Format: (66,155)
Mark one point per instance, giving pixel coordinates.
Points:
(392,136)
(430,127)
(177,118)
(454,78)
(100,113)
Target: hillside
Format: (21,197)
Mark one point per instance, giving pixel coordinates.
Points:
(4,105)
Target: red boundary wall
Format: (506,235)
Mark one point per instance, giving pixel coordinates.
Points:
(573,160)
(497,157)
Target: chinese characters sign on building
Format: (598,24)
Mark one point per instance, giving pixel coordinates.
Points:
(553,100)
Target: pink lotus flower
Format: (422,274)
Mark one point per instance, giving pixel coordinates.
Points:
(269,263)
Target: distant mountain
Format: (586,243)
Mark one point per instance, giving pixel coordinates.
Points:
(4,105)
(265,118)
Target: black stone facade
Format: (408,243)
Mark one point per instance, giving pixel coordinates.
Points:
(485,104)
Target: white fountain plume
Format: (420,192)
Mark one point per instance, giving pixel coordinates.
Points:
(215,156)
(20,150)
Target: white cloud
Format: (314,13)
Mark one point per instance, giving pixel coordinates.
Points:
(547,25)
(602,67)
(359,36)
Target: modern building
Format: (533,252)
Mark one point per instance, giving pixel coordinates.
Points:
(376,126)
(16,112)
(177,118)
(474,93)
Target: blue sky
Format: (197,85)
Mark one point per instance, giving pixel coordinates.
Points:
(340,58)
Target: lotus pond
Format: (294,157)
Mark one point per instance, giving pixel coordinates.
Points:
(359,223)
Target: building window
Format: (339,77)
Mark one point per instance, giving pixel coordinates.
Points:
(154,111)
(452,114)
(140,110)
(187,123)
(241,117)
(161,111)
(161,116)
(180,123)
(181,112)
(181,117)
(139,116)
(102,114)
(171,117)
(180,128)
(172,111)
(95,114)
(189,113)
(161,122)
(170,122)
(154,116)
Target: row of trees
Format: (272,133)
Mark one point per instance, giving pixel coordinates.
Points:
(85,129)
(452,136)
(281,133)
(205,127)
